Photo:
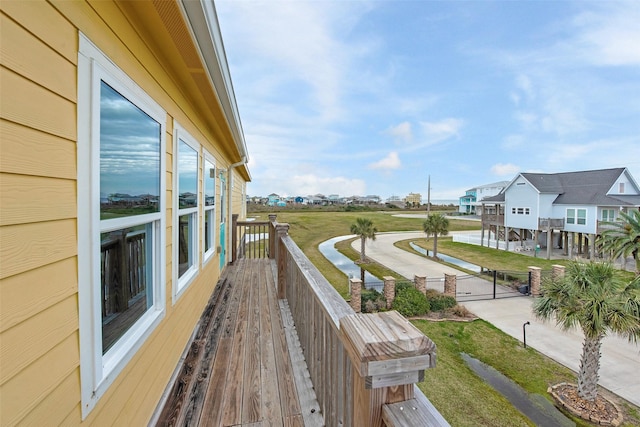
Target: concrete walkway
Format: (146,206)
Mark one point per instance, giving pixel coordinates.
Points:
(620,362)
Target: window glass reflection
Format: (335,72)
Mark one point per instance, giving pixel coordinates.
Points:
(185,243)
(129,157)
(187,175)
(126,282)
(209,183)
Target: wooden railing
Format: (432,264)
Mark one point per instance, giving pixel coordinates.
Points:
(551,223)
(492,219)
(360,365)
(250,239)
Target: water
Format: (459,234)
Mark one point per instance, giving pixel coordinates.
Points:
(447,258)
(344,264)
(541,411)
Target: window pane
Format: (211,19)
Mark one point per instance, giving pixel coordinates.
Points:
(187,175)
(126,282)
(582,216)
(185,243)
(208,229)
(209,184)
(129,157)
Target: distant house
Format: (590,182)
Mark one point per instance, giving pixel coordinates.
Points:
(298,200)
(413,199)
(470,203)
(273,199)
(562,210)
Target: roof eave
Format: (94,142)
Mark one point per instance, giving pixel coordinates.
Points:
(202,20)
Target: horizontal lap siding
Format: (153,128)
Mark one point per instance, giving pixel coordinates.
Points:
(38,230)
(39,353)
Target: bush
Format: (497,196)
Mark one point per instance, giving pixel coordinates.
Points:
(439,301)
(372,301)
(410,302)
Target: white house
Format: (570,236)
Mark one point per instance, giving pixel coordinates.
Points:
(562,210)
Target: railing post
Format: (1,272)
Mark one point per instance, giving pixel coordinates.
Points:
(389,289)
(356,294)
(389,355)
(272,236)
(536,276)
(281,259)
(234,237)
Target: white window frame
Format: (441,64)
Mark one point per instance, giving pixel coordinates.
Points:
(182,283)
(578,219)
(208,254)
(98,371)
(572,217)
(608,211)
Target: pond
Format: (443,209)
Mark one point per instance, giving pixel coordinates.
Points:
(343,263)
(447,258)
(539,410)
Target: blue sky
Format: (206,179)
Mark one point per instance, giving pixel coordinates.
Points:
(372,97)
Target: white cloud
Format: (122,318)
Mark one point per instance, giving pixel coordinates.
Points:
(442,130)
(610,34)
(392,161)
(401,132)
(502,169)
(523,83)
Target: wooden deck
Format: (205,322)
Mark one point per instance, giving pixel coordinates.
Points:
(244,365)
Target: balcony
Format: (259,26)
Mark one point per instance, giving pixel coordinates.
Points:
(551,223)
(277,345)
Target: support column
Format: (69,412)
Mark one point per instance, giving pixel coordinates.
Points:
(536,278)
(389,290)
(580,244)
(565,245)
(356,295)
(592,243)
(549,240)
(421,283)
(507,231)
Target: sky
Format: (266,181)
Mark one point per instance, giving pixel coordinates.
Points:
(375,97)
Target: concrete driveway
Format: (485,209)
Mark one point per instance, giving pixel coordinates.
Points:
(620,362)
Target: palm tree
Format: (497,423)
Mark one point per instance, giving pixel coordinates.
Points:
(438,225)
(623,237)
(365,229)
(591,296)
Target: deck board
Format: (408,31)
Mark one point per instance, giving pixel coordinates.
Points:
(244,374)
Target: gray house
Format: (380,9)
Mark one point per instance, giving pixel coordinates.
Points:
(561,210)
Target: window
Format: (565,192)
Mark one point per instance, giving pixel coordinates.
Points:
(185,224)
(621,188)
(608,215)
(580,218)
(520,211)
(121,164)
(209,205)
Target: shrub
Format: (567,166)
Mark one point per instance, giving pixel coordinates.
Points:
(460,311)
(439,301)
(372,301)
(410,302)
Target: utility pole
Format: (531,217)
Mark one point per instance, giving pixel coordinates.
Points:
(429,195)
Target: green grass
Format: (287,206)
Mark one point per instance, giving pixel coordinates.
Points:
(462,397)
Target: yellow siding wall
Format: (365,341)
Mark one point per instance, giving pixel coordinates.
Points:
(39,343)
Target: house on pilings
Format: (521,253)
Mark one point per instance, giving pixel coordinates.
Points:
(564,211)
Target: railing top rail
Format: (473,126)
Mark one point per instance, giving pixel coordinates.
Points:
(253,222)
(331,301)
